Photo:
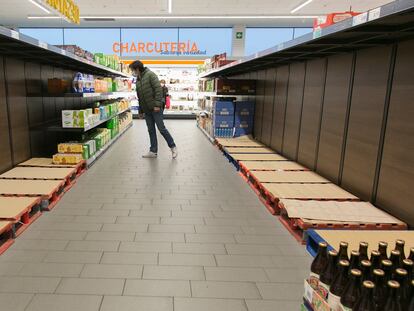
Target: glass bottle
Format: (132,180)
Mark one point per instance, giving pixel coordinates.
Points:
(411,304)
(343,251)
(366,301)
(380,290)
(399,246)
(354,261)
(396,259)
(401,276)
(382,248)
(352,290)
(338,285)
(363,251)
(393,302)
(366,271)
(408,265)
(411,256)
(386,266)
(375,260)
(319,264)
(326,278)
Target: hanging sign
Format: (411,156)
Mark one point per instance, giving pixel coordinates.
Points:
(160,48)
(66,8)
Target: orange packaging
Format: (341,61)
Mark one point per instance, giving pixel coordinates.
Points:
(332,18)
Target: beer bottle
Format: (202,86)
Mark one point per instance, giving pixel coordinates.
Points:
(343,251)
(386,266)
(399,246)
(318,264)
(375,260)
(380,290)
(338,285)
(393,302)
(396,259)
(366,301)
(326,278)
(408,265)
(366,271)
(354,261)
(382,248)
(401,277)
(363,251)
(411,254)
(411,305)
(352,290)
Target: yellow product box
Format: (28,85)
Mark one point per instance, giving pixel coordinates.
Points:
(67,158)
(70,148)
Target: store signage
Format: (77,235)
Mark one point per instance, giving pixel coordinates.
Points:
(239,35)
(161,48)
(67,8)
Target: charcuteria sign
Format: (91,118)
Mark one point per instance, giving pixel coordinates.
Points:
(66,8)
(160,48)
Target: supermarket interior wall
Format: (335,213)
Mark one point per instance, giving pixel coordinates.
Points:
(26,110)
(349,118)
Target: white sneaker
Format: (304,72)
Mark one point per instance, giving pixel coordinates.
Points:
(150,154)
(174,152)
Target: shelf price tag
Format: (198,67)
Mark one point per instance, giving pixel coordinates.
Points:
(360,19)
(374,14)
(280,47)
(43,44)
(63,52)
(15,34)
(317,33)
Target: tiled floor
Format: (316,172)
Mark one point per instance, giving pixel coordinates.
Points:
(156,235)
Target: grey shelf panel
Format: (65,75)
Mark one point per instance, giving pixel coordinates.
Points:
(383,25)
(24,47)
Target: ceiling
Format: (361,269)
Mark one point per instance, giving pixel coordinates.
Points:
(13,13)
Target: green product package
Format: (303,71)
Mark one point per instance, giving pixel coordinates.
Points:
(86,154)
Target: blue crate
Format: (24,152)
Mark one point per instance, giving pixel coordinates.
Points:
(223,121)
(312,242)
(244,108)
(223,108)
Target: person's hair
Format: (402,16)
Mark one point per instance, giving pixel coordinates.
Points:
(162,81)
(137,65)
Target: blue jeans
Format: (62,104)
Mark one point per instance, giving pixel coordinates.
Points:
(156,118)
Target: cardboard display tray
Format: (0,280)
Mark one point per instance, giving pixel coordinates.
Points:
(12,187)
(14,207)
(331,211)
(272,166)
(5,225)
(288,177)
(38,173)
(261,150)
(308,191)
(241,143)
(240,138)
(44,162)
(257,157)
(372,237)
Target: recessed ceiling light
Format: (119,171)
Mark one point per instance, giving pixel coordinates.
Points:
(39,6)
(301,6)
(170,6)
(208,17)
(43,17)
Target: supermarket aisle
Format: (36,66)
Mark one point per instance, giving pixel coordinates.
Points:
(156,235)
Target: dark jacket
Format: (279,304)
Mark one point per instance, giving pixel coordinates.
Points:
(149,91)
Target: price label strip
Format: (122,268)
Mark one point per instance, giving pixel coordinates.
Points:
(374,14)
(360,19)
(15,34)
(43,45)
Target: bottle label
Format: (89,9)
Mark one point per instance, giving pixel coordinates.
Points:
(323,290)
(334,302)
(314,280)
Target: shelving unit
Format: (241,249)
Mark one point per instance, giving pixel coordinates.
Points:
(30,49)
(58,128)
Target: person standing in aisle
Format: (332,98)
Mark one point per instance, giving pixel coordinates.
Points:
(165,94)
(150,96)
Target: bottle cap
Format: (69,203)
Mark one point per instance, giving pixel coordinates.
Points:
(366,263)
(393,284)
(408,262)
(382,243)
(379,272)
(375,253)
(333,252)
(400,242)
(401,271)
(395,252)
(343,244)
(356,272)
(323,244)
(355,253)
(387,262)
(364,244)
(344,263)
(368,284)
